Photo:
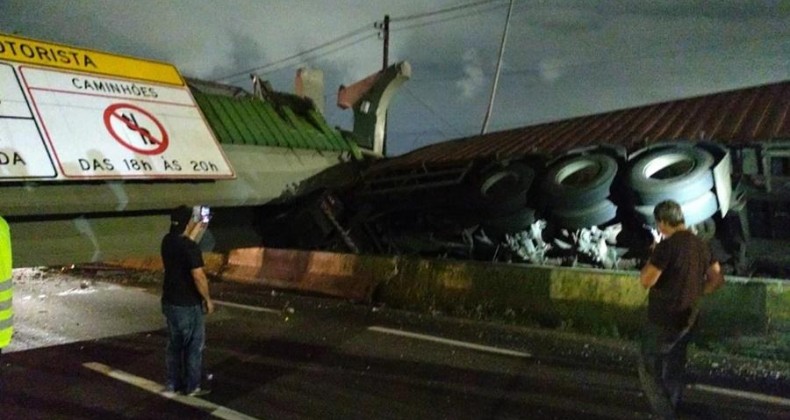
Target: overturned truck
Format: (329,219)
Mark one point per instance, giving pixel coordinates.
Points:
(581,191)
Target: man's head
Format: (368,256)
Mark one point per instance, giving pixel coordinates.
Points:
(669,214)
(179,218)
(190,221)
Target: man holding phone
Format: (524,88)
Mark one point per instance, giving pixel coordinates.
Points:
(185,298)
(681,269)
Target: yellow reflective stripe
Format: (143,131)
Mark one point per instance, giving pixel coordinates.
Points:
(5,336)
(6,292)
(5,250)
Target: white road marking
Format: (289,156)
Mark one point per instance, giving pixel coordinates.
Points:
(770,399)
(247,307)
(76,291)
(449,342)
(155,388)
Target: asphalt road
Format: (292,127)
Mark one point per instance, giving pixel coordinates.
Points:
(95,349)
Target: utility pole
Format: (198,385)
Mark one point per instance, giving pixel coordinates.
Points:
(386,30)
(498,68)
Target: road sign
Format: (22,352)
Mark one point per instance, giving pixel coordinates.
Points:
(80,114)
(98,127)
(23,153)
(122,122)
(48,54)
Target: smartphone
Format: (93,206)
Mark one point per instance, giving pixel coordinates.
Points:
(201,214)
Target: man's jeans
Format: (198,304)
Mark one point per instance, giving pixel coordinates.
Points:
(184,358)
(662,366)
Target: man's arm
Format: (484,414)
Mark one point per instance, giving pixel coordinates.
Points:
(649,275)
(714,278)
(201,282)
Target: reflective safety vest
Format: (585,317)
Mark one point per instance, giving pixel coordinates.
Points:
(6,292)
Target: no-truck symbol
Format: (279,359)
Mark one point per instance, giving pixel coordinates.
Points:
(136,129)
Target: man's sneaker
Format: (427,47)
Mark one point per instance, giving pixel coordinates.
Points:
(197,392)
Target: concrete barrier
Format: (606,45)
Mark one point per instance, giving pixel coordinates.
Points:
(599,302)
(339,275)
(214,262)
(585,300)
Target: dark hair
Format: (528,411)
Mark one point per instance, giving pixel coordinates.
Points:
(179,218)
(669,212)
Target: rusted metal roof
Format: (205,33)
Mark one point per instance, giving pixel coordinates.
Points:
(734,118)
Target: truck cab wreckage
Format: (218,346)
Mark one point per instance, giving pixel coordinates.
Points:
(580,192)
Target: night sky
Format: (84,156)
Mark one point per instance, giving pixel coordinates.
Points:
(562,58)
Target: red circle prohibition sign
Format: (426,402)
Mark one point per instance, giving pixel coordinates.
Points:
(161,144)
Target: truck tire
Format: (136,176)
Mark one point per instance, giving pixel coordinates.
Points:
(586,216)
(504,191)
(689,175)
(694,211)
(579,180)
(522,219)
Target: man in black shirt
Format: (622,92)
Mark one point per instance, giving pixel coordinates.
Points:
(679,272)
(185,300)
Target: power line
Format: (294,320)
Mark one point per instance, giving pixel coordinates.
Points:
(431,110)
(356,32)
(498,68)
(341,47)
(441,11)
(300,54)
(450,18)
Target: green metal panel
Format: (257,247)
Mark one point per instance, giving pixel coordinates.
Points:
(280,126)
(260,132)
(234,117)
(249,120)
(211,115)
(301,130)
(224,120)
(332,135)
